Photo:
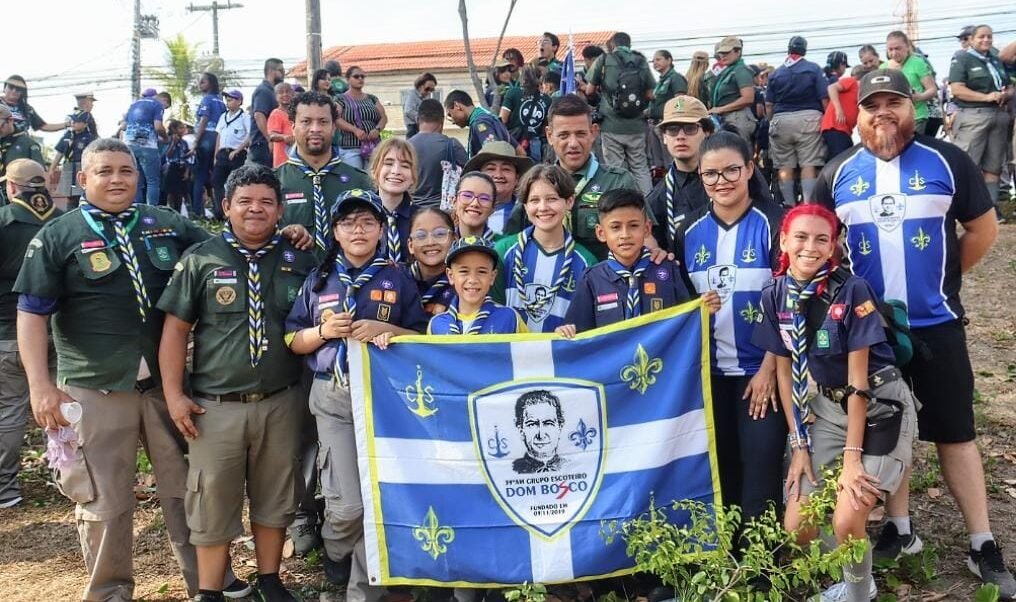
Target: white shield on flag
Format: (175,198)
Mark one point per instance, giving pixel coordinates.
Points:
(888,210)
(540,443)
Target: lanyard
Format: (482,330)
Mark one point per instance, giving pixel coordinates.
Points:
(98,229)
(591,169)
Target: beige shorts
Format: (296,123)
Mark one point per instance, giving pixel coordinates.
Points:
(745,122)
(244,447)
(983,133)
(795,139)
(829,435)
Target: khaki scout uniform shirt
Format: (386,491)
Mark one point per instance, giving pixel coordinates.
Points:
(97,329)
(209,289)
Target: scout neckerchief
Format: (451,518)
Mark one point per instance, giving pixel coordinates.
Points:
(723,78)
(438,286)
(255,303)
(633,301)
(792,59)
(478,321)
(353,285)
(519,268)
(477,113)
(394,240)
(123,244)
(996,77)
(797,296)
(663,84)
(670,182)
(38,203)
(321,239)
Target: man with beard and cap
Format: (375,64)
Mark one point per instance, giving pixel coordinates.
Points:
(915,255)
(261,105)
(498,160)
(30,208)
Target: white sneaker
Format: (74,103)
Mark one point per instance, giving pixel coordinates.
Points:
(11,502)
(839,593)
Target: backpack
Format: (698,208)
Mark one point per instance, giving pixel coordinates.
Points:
(893,313)
(628,98)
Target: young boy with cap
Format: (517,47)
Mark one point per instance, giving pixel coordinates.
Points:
(68,151)
(628,284)
(356,293)
(472,266)
(234,291)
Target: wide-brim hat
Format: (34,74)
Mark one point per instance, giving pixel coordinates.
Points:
(498,150)
(683,109)
(17,81)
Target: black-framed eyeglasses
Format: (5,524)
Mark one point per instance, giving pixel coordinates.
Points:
(688,129)
(731,173)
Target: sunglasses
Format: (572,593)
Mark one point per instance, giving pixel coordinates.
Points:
(688,129)
(358,76)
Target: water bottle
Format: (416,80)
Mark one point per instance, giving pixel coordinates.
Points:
(71,411)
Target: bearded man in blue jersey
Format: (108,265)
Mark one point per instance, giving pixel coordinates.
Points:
(914,254)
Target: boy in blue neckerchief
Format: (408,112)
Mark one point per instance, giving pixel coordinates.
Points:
(628,284)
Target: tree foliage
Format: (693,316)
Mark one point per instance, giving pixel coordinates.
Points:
(184,65)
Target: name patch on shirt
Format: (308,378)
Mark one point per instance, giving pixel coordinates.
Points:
(224,273)
(606,298)
(90,245)
(224,281)
(295,198)
(326,298)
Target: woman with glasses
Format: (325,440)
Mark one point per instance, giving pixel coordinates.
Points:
(474,203)
(362,117)
(394,169)
(731,246)
(423,87)
(15,98)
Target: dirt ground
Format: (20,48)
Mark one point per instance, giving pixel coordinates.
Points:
(40,559)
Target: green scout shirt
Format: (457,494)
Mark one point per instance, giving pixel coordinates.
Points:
(584,216)
(298,190)
(99,336)
(20,221)
(13,147)
(670,85)
(915,68)
(604,73)
(209,289)
(972,71)
(727,86)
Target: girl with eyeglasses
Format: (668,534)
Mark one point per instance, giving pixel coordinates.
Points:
(431,234)
(474,203)
(731,246)
(543,263)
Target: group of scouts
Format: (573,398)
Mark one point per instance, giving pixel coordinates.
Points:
(318,253)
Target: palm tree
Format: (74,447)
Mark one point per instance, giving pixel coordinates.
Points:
(180,76)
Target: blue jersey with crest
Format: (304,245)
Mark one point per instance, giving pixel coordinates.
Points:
(900,217)
(735,260)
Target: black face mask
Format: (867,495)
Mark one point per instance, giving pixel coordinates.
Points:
(37,200)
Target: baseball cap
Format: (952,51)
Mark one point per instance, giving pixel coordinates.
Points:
(80,116)
(729,43)
(26,172)
(234,93)
(469,244)
(351,199)
(837,58)
(683,109)
(891,81)
(797,45)
(966,32)
(149,92)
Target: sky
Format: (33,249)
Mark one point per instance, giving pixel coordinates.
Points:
(89,49)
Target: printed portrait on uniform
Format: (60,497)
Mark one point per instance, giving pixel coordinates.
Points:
(537,301)
(888,210)
(541,447)
(722,279)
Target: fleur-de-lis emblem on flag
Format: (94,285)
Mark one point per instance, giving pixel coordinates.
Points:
(702,255)
(860,186)
(641,373)
(921,240)
(582,436)
(434,538)
(751,314)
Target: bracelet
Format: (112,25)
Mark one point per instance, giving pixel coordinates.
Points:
(852,448)
(320,333)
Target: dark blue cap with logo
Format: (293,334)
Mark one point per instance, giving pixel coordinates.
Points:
(355,199)
(469,244)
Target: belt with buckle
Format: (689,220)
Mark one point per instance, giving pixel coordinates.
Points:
(884,376)
(145,385)
(240,397)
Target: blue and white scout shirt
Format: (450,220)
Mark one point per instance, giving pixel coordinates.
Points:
(900,217)
(737,262)
(546,287)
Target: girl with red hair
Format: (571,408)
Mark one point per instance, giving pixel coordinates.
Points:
(821,321)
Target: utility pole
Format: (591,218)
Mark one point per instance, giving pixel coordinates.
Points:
(907,9)
(214,7)
(145,27)
(313,39)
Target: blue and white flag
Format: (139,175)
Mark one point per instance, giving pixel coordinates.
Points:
(493,460)
(568,68)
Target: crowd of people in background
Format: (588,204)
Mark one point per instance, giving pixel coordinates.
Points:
(568,189)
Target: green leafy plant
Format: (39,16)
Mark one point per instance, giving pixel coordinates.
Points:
(988,592)
(713,556)
(527,592)
(916,569)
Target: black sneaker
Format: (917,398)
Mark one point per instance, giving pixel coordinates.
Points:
(337,571)
(891,544)
(988,564)
(306,538)
(270,589)
(237,589)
